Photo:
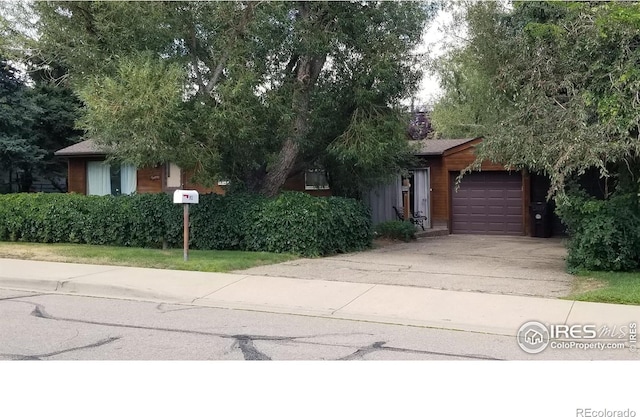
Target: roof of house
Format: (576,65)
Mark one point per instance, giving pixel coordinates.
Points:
(84,148)
(428,147)
(440,146)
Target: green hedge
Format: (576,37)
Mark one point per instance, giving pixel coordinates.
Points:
(292,222)
(396,229)
(300,223)
(603,234)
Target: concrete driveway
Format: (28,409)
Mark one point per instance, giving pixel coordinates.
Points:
(492,264)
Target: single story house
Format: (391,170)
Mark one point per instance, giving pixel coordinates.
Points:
(490,201)
(89,174)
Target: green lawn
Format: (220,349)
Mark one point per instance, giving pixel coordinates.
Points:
(199,260)
(607,287)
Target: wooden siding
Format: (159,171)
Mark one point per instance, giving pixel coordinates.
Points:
(149,180)
(460,157)
(201,189)
(439,195)
(187,184)
(77,177)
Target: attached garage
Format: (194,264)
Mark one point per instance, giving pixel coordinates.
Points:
(487,203)
(492,200)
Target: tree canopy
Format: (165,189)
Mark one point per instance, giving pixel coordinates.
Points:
(35,121)
(246,91)
(552,86)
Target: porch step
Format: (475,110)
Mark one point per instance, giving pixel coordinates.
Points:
(434,231)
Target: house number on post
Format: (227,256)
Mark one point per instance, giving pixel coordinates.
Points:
(186,197)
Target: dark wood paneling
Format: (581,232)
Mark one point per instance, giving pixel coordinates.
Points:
(77,176)
(201,189)
(149,180)
(463,157)
(439,194)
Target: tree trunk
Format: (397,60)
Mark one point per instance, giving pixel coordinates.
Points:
(26,180)
(280,172)
(307,71)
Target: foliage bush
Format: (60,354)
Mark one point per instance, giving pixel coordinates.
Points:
(223,222)
(292,222)
(300,223)
(396,229)
(603,234)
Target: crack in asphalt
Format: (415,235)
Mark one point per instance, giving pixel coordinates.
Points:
(380,346)
(358,354)
(18,357)
(248,349)
(244,342)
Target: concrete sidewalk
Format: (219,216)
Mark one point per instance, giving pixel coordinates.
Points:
(467,311)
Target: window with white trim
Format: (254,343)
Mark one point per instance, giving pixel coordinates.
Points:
(106,179)
(315,179)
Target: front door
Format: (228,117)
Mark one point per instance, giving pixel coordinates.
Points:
(420,187)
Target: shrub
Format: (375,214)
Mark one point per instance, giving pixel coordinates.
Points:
(603,234)
(292,222)
(396,229)
(142,220)
(299,223)
(223,222)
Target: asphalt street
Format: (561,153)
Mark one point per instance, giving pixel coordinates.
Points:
(38,326)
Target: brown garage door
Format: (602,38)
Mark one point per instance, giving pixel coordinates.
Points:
(487,203)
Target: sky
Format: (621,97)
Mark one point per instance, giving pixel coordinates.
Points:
(434,40)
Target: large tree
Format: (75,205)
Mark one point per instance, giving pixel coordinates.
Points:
(552,86)
(17,114)
(39,110)
(35,121)
(248,91)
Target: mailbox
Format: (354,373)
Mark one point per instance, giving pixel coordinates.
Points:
(185,197)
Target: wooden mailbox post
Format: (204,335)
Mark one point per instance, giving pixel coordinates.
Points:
(186,198)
